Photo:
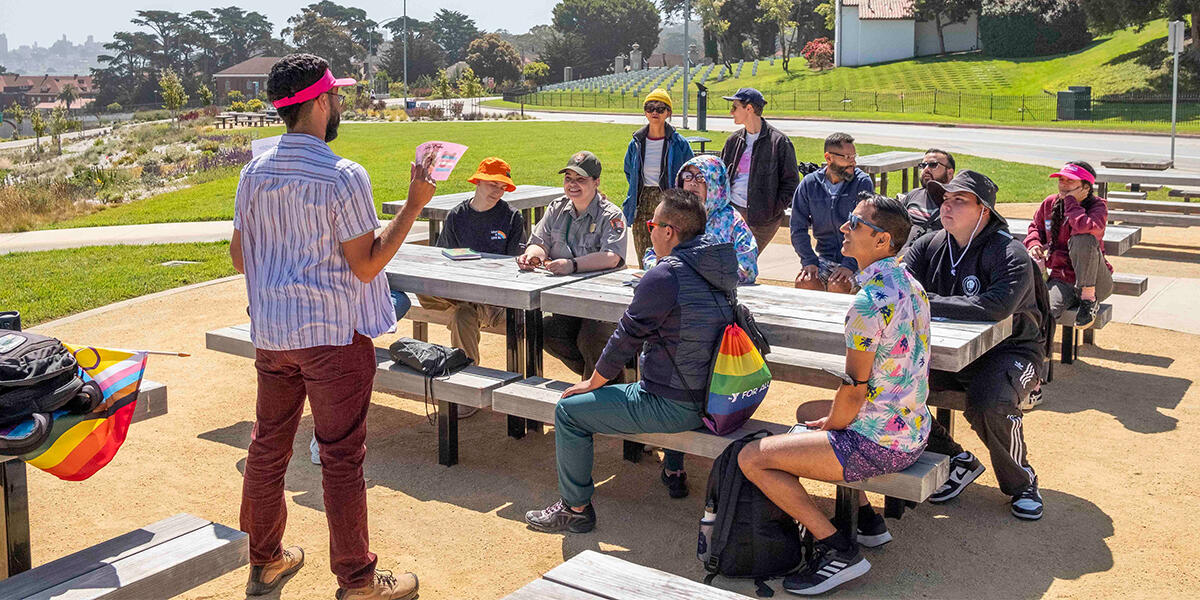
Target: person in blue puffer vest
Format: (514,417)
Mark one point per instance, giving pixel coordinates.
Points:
(655,155)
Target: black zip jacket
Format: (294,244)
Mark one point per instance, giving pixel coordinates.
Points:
(994,279)
(773,172)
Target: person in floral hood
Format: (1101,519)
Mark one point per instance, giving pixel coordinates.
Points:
(705,176)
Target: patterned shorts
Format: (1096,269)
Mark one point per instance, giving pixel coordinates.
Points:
(861,458)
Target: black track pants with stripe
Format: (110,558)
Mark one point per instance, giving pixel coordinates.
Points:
(994,384)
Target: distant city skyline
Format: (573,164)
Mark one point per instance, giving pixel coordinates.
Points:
(25,22)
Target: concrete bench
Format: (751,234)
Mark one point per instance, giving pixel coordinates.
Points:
(160,560)
(1153,206)
(1128,284)
(535,398)
(1153,218)
(471,386)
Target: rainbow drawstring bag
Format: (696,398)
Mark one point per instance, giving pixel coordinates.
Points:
(739,382)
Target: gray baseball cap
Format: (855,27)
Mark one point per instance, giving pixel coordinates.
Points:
(583,163)
(969,181)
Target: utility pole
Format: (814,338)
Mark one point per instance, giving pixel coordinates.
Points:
(405,54)
(687,60)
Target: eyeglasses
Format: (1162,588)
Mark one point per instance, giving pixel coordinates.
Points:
(845,156)
(651,225)
(929,165)
(687,176)
(341,99)
(656,109)
(854,221)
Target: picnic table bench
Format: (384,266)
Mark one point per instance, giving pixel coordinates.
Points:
(531,200)
(160,560)
(695,139)
(1117,239)
(896,160)
(232,119)
(591,575)
(1150,164)
(1187,193)
(1170,178)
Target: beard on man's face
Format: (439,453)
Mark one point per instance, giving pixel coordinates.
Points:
(331,127)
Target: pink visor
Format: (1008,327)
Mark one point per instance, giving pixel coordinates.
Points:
(322,85)
(1075,172)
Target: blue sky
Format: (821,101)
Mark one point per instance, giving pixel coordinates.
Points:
(26,21)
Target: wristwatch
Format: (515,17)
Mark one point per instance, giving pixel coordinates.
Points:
(574,266)
(846,379)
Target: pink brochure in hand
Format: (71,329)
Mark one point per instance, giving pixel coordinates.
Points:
(448,155)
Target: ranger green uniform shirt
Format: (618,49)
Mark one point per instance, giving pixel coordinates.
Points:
(563,233)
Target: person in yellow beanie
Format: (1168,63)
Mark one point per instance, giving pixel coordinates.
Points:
(655,155)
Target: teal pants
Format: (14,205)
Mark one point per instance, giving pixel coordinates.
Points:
(612,409)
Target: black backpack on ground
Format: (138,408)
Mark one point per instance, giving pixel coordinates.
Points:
(37,375)
(806,167)
(750,536)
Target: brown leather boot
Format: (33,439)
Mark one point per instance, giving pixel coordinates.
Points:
(265,579)
(384,587)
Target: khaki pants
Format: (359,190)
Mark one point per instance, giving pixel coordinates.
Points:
(466,320)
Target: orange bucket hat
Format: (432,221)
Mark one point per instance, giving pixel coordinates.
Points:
(494,169)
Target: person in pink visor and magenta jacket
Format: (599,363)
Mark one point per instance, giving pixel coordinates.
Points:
(1067,238)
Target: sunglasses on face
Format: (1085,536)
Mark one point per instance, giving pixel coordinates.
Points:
(854,221)
(656,108)
(651,225)
(687,176)
(929,165)
(845,156)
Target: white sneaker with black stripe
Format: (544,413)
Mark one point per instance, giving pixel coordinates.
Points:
(826,569)
(964,468)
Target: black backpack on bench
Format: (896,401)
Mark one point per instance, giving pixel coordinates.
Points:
(37,375)
(749,536)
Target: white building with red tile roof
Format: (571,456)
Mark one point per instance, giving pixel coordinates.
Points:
(867,32)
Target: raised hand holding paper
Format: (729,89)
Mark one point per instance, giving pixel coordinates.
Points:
(447,156)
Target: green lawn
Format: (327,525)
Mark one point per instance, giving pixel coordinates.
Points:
(970,88)
(536,151)
(55,283)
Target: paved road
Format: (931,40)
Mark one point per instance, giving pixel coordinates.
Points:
(1046,147)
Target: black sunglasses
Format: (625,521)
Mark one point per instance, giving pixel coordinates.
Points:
(929,165)
(854,221)
(657,109)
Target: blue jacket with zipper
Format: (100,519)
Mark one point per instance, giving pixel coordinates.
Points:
(678,151)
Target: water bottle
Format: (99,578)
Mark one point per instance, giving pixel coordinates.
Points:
(704,544)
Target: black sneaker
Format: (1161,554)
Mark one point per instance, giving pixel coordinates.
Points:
(873,532)
(1028,504)
(559,517)
(676,484)
(826,569)
(1085,315)
(964,468)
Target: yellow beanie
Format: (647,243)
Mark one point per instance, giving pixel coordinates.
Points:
(660,95)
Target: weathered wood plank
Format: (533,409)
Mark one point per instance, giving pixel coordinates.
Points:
(162,571)
(1162,206)
(535,398)
(884,162)
(544,589)
(610,577)
(99,556)
(1149,218)
(1117,240)
(472,386)
(524,197)
(1137,163)
(1170,178)
(1118,195)
(1127,284)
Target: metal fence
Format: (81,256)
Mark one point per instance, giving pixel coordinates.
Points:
(978,107)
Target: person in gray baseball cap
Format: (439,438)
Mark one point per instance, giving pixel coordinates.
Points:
(973,270)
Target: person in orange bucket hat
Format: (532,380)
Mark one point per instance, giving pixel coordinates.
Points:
(485,223)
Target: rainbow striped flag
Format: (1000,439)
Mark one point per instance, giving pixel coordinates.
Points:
(739,383)
(81,444)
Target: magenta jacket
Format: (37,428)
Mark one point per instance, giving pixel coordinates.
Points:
(1077,220)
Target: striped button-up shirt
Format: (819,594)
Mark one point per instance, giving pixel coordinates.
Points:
(296,203)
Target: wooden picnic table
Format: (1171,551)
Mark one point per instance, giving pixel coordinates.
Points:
(1118,239)
(896,160)
(591,575)
(493,279)
(790,318)
(1169,178)
(695,139)
(529,199)
(1137,163)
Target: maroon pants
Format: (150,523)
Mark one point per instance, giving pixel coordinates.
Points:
(337,381)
